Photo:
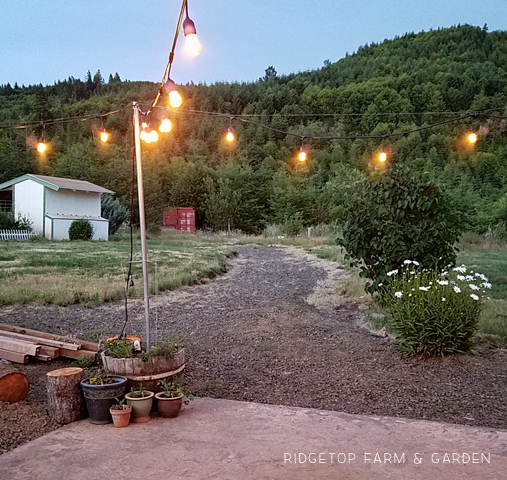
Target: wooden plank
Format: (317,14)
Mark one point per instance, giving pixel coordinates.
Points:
(13,356)
(94,347)
(43,358)
(53,352)
(75,354)
(18,346)
(40,341)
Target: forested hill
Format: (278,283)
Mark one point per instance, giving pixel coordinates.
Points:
(397,85)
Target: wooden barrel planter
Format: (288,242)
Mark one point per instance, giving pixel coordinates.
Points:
(148,373)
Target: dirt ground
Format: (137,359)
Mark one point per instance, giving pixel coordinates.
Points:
(274,329)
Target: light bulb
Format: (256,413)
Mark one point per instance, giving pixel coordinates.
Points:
(41,146)
(472,138)
(153,136)
(192,45)
(230,136)
(104,136)
(165,126)
(382,156)
(175,99)
(302,156)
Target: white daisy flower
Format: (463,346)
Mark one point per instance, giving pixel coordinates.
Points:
(425,289)
(461,269)
(486,284)
(461,277)
(473,287)
(407,262)
(392,272)
(481,276)
(443,282)
(398,294)
(474,296)
(443,299)
(415,263)
(457,289)
(469,278)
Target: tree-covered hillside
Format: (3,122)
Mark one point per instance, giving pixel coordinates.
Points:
(399,85)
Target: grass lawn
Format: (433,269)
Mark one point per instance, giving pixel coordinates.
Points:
(63,272)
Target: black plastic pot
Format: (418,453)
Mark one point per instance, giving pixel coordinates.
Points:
(100,398)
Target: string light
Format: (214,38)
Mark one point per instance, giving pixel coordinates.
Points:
(165,126)
(302,155)
(41,146)
(472,137)
(174,97)
(104,136)
(192,44)
(229,136)
(382,157)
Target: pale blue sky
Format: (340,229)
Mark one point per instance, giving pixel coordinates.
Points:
(42,41)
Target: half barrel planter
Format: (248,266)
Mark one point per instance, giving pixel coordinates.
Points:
(147,373)
(100,398)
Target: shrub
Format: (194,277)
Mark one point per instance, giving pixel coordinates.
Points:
(434,312)
(9,222)
(394,215)
(81,230)
(114,211)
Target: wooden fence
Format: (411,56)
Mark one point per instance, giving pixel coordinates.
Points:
(16,234)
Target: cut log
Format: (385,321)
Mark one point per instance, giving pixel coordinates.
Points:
(19,346)
(39,340)
(65,400)
(94,347)
(14,356)
(13,384)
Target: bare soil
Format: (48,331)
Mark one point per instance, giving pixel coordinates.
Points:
(274,329)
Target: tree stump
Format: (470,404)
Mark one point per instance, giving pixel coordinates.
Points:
(65,401)
(13,384)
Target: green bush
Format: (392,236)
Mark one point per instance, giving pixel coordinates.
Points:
(81,230)
(434,312)
(9,222)
(114,211)
(394,215)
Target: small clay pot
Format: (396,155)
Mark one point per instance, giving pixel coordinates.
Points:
(141,407)
(121,418)
(168,407)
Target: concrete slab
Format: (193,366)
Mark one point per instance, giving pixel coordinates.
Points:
(223,439)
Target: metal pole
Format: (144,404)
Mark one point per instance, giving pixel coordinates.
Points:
(142,225)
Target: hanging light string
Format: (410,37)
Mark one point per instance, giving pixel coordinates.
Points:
(167,72)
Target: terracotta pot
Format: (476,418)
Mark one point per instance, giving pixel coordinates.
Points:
(168,407)
(141,407)
(121,418)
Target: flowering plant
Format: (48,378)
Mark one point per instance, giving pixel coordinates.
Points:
(434,312)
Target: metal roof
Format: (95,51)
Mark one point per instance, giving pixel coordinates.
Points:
(55,183)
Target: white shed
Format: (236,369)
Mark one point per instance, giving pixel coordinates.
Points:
(53,203)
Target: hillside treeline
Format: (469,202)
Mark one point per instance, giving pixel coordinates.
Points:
(398,85)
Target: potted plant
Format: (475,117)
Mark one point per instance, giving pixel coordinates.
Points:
(100,392)
(141,401)
(120,413)
(170,399)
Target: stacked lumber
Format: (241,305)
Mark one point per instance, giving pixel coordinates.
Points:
(19,344)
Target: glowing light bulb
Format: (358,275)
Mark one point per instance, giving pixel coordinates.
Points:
(41,146)
(472,138)
(192,45)
(302,156)
(175,99)
(382,156)
(153,136)
(165,126)
(104,136)
(229,137)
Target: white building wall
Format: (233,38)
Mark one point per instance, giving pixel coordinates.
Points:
(60,229)
(69,202)
(29,201)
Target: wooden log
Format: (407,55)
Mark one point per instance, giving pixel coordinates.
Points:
(40,341)
(52,352)
(14,356)
(65,401)
(19,346)
(75,354)
(43,358)
(94,347)
(13,384)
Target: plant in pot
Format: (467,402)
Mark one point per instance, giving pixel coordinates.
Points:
(100,392)
(120,413)
(170,399)
(141,401)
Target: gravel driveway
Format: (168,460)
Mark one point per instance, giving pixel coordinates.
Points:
(273,329)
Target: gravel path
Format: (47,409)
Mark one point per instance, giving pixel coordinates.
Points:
(273,329)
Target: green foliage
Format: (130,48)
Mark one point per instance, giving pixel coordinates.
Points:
(138,392)
(84,361)
(119,348)
(175,389)
(101,378)
(120,404)
(81,230)
(166,349)
(114,211)
(432,312)
(9,222)
(394,215)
